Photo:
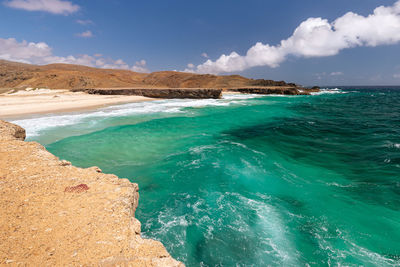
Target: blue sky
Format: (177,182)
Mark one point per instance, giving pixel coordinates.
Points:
(169,35)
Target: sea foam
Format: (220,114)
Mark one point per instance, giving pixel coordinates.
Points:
(35,125)
(329,91)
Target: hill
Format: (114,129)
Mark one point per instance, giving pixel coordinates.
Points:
(67,76)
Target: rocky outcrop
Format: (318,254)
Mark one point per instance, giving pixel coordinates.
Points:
(262,82)
(166,93)
(268,90)
(55,214)
(198,93)
(9,131)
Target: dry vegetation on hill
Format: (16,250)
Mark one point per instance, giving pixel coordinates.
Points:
(66,76)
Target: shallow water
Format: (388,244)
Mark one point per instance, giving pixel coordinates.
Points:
(250,180)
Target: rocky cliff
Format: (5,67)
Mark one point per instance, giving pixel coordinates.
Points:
(267,91)
(159,92)
(55,214)
(276,90)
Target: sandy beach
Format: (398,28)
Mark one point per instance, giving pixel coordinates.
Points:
(49,101)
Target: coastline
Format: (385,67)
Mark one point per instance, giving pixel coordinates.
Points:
(41,101)
(23,103)
(76,216)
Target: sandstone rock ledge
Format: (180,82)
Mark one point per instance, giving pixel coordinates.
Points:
(54,214)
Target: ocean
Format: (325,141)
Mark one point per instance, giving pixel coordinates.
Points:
(252,180)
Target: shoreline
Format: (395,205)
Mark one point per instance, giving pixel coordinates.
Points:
(44,101)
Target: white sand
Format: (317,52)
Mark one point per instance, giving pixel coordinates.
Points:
(50,101)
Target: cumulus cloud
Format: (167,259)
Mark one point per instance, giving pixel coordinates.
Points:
(85,34)
(59,7)
(26,52)
(41,53)
(140,66)
(316,37)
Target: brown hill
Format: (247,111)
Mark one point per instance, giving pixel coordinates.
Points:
(66,76)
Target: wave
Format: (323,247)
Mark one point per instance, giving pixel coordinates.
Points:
(212,213)
(338,256)
(278,95)
(339,185)
(240,96)
(37,124)
(393,145)
(329,91)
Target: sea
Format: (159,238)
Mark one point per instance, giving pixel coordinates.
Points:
(252,180)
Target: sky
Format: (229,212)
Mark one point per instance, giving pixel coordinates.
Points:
(310,42)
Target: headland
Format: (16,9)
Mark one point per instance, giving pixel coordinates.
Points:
(55,214)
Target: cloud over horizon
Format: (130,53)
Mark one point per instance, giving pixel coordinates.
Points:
(41,54)
(58,7)
(315,37)
(140,66)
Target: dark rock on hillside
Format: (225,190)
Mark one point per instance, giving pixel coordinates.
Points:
(268,91)
(262,82)
(196,93)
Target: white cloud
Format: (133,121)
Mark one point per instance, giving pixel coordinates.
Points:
(316,37)
(140,66)
(204,55)
(396,75)
(59,7)
(85,34)
(191,68)
(41,53)
(336,73)
(10,49)
(84,22)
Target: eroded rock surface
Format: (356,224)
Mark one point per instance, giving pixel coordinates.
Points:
(194,93)
(267,90)
(9,131)
(54,214)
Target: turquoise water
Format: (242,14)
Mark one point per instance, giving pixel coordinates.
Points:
(249,180)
